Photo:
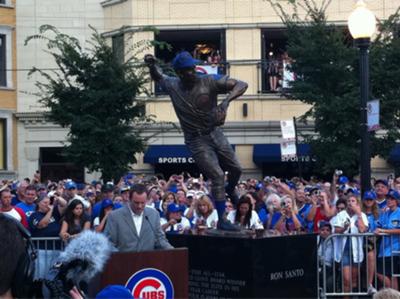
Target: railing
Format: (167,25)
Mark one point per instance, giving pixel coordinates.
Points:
(48,249)
(353,270)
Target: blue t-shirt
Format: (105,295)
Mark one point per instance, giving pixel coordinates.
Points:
(303,213)
(51,230)
(263,215)
(389,220)
(28,209)
(382,206)
(97,208)
(15,200)
(371,222)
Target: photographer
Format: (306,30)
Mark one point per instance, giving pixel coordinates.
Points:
(174,222)
(349,250)
(321,209)
(244,215)
(45,223)
(289,220)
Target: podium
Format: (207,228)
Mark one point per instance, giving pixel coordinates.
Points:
(148,274)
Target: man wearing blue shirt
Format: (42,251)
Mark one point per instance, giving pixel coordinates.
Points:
(389,224)
(28,204)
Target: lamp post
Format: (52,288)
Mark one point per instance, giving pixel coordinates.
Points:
(362,25)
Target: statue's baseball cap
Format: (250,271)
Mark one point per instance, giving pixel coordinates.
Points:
(184,60)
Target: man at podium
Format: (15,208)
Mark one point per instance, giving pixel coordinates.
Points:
(136,227)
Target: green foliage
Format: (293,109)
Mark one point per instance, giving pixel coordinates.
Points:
(328,79)
(95,96)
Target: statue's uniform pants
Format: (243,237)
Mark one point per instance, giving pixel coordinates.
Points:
(214,155)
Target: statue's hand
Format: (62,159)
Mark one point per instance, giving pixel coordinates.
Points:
(149,59)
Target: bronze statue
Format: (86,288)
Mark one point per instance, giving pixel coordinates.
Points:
(194,98)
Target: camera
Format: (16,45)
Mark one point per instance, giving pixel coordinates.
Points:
(338,172)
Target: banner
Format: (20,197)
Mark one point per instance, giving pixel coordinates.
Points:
(373,115)
(288,149)
(288,130)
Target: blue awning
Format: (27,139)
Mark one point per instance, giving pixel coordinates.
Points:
(166,154)
(264,153)
(394,155)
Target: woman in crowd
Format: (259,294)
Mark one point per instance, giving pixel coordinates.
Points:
(99,223)
(45,223)
(349,250)
(205,214)
(75,220)
(244,215)
(370,208)
(174,222)
(389,226)
(169,197)
(274,203)
(289,220)
(259,206)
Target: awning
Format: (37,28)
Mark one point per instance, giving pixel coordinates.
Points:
(264,153)
(394,155)
(169,154)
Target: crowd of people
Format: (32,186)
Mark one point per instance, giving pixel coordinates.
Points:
(64,209)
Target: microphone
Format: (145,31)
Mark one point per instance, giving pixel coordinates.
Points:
(82,259)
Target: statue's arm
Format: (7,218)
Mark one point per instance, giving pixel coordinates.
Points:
(155,71)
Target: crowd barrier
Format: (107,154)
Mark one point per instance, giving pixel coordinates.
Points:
(48,250)
(357,270)
(339,276)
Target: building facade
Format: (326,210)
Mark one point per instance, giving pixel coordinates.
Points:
(8,95)
(245,36)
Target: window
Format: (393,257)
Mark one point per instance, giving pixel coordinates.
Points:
(6,56)
(3,142)
(3,2)
(55,166)
(118,47)
(3,60)
(208,46)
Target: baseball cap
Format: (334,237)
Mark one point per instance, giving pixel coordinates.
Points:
(80,186)
(393,194)
(107,203)
(191,193)
(173,208)
(70,185)
(107,188)
(343,180)
(323,223)
(114,291)
(184,60)
(381,181)
(369,195)
(124,188)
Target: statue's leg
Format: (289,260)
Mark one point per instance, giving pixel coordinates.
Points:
(228,162)
(205,155)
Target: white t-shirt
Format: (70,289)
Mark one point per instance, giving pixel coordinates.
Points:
(255,221)
(211,220)
(356,242)
(177,227)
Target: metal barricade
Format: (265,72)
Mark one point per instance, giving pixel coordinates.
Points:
(48,249)
(369,261)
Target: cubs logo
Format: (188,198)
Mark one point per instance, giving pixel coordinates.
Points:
(150,283)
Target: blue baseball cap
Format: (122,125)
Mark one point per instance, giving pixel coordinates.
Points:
(173,208)
(343,180)
(107,203)
(369,195)
(393,194)
(70,185)
(380,181)
(184,60)
(114,291)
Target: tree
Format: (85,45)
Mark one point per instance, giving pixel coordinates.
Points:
(328,79)
(95,95)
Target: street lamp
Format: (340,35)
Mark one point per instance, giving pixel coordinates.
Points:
(362,25)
